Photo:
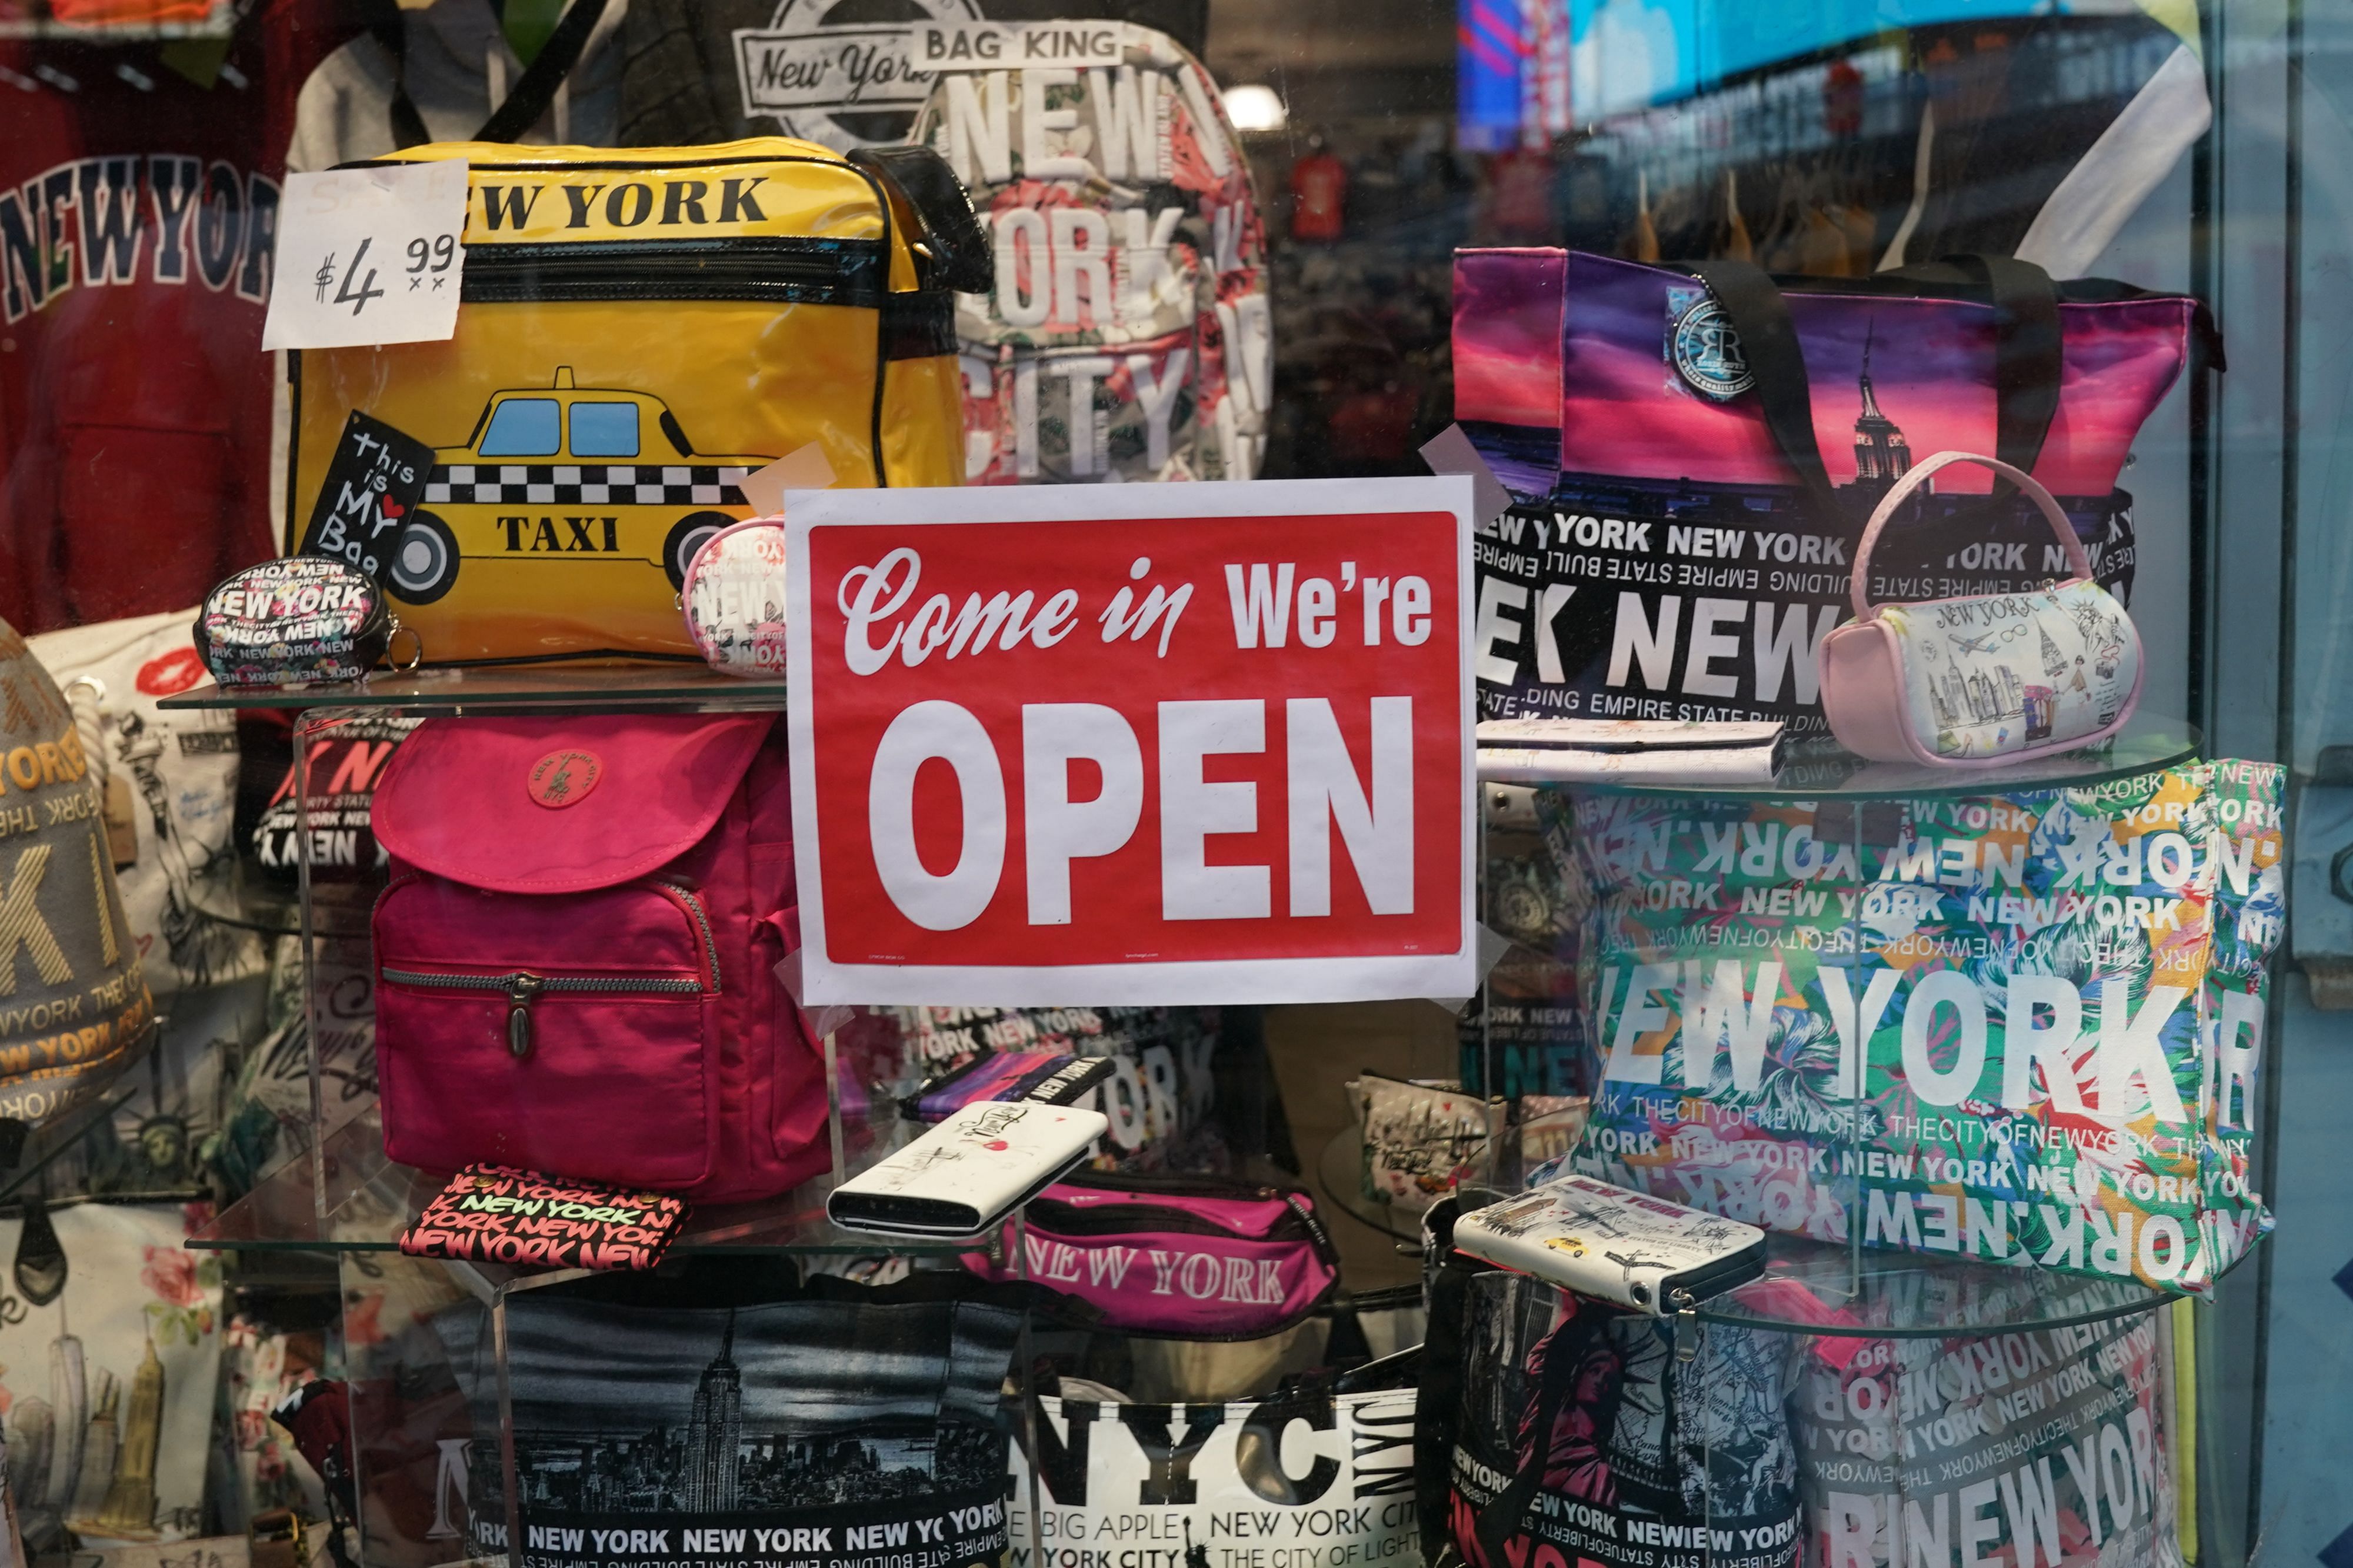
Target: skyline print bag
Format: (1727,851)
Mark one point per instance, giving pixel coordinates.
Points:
(652,1417)
(1694,453)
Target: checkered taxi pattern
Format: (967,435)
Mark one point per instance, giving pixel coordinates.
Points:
(573,484)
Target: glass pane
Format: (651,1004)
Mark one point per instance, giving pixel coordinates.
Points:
(1224,239)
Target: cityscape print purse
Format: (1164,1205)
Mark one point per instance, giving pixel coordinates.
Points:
(1423,1139)
(1989,677)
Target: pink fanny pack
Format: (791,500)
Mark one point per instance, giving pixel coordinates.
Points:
(1196,1257)
(577,954)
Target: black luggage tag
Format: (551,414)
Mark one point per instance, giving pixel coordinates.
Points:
(375,478)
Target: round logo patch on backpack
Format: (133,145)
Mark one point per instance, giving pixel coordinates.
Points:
(565,778)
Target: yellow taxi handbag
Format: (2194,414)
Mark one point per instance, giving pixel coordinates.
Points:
(638,330)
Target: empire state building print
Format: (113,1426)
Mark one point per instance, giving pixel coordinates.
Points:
(714,1433)
(1882,454)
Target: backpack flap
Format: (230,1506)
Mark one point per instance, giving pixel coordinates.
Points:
(559,805)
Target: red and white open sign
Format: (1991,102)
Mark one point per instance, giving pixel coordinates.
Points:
(1134,743)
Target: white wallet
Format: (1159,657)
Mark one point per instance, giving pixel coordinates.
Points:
(966,1173)
(1627,1248)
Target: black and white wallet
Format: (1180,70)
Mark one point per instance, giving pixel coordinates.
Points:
(966,1173)
(1624,1247)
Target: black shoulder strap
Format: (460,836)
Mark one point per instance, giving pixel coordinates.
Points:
(1501,1517)
(1768,342)
(1437,1399)
(959,251)
(2027,355)
(2028,358)
(535,89)
(391,34)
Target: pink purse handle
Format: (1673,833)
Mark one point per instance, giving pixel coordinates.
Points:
(1919,475)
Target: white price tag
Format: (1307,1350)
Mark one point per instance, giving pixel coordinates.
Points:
(369,255)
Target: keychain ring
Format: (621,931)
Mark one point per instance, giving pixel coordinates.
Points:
(415,659)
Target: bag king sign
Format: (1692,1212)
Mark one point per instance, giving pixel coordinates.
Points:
(1140,745)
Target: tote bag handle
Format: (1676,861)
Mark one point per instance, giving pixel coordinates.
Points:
(2027,359)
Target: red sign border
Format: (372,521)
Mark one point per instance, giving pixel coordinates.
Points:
(1141,983)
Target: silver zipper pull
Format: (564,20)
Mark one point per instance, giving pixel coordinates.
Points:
(1687,1327)
(522,989)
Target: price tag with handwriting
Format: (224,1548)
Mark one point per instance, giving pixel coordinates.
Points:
(369,255)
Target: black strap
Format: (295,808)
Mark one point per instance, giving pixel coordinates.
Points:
(1768,343)
(391,34)
(918,323)
(1437,1399)
(2028,350)
(960,258)
(1502,1516)
(2027,355)
(528,99)
(536,88)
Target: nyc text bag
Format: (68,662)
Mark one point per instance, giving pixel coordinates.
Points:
(576,952)
(1124,330)
(1695,452)
(639,331)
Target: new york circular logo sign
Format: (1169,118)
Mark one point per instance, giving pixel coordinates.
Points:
(829,72)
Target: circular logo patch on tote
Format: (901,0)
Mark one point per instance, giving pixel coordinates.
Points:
(1707,351)
(562,778)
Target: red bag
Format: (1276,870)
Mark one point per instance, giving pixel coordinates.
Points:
(575,956)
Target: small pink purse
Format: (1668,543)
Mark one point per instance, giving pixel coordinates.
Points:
(733,596)
(1994,678)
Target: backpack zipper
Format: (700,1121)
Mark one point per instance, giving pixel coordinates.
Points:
(790,268)
(522,987)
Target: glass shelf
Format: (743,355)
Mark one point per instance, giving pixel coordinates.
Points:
(1825,1288)
(604,687)
(1824,770)
(369,1201)
(1829,1289)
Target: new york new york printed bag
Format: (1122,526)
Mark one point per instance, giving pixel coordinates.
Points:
(575,955)
(1124,330)
(1696,449)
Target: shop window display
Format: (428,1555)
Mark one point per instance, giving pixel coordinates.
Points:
(1902,773)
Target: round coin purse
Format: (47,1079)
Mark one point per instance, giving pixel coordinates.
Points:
(733,597)
(301,620)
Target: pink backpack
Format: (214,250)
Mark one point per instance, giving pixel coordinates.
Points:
(577,954)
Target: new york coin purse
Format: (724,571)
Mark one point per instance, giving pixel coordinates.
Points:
(1988,678)
(298,620)
(733,597)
